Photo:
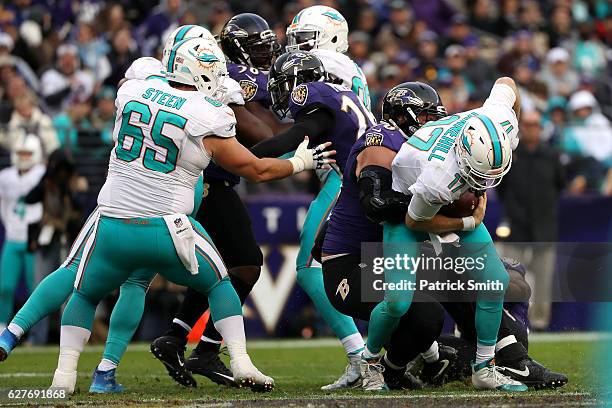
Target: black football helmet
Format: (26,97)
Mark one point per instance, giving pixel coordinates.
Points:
(411,104)
(288,71)
(247,39)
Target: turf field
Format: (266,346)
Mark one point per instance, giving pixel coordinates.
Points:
(299,368)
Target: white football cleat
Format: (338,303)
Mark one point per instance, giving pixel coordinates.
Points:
(64,380)
(350,379)
(372,378)
(247,375)
(486,376)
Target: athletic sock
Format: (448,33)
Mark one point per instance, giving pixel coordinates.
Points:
(353,344)
(15,330)
(106,365)
(368,355)
(484,352)
(232,330)
(72,343)
(432,354)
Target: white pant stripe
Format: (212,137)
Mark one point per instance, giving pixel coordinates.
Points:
(83,234)
(211,252)
(88,247)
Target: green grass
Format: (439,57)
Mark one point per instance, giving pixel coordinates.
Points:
(299,373)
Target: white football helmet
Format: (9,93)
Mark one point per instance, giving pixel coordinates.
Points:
(183,33)
(27,152)
(483,152)
(198,62)
(318,27)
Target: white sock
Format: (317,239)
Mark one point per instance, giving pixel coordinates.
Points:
(72,343)
(106,365)
(368,355)
(353,344)
(16,330)
(484,353)
(506,341)
(232,330)
(431,355)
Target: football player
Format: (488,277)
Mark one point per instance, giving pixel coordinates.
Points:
(324,31)
(15,183)
(443,159)
(53,291)
(367,200)
(250,45)
(166,133)
(323,111)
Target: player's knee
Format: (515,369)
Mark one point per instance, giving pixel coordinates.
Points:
(246,275)
(397,309)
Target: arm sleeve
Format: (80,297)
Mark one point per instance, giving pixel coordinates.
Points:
(310,122)
(420,210)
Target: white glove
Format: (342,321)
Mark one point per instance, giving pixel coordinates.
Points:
(308,159)
(230,92)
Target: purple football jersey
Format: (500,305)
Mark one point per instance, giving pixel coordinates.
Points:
(351,118)
(348,225)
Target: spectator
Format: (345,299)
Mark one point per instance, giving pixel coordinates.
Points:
(103,117)
(558,76)
(28,118)
(483,17)
(530,196)
(13,86)
(589,55)
(93,51)
(479,71)
(522,49)
(164,15)
(437,14)
(560,29)
(121,56)
(400,21)
(66,82)
(21,67)
(428,57)
(74,127)
(588,139)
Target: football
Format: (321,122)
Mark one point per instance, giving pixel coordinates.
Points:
(464,206)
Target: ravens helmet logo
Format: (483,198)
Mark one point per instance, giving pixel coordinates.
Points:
(249,88)
(300,94)
(373,139)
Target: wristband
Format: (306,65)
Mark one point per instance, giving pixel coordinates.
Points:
(297,163)
(469,223)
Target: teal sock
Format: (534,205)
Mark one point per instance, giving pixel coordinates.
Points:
(311,280)
(47,298)
(124,320)
(224,301)
(79,311)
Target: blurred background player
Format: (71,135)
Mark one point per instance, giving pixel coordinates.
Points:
(15,183)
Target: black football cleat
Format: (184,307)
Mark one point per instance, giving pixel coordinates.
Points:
(400,379)
(436,373)
(208,364)
(171,352)
(533,374)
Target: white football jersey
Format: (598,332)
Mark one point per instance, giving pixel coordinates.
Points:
(426,165)
(158,154)
(15,214)
(342,67)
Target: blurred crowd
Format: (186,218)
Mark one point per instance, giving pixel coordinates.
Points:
(61,60)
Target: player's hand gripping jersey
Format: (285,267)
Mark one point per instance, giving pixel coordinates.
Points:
(351,118)
(158,154)
(426,166)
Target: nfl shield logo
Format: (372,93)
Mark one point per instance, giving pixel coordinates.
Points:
(178,223)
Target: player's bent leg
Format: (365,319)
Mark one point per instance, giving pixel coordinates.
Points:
(46,298)
(124,321)
(310,275)
(489,306)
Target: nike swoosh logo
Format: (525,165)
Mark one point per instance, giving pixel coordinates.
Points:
(522,373)
(227,377)
(179,360)
(445,364)
(250,77)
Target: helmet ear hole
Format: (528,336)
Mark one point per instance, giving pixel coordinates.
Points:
(335,39)
(205,78)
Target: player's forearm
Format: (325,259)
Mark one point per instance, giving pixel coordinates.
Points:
(439,224)
(517,101)
(268,169)
(282,143)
